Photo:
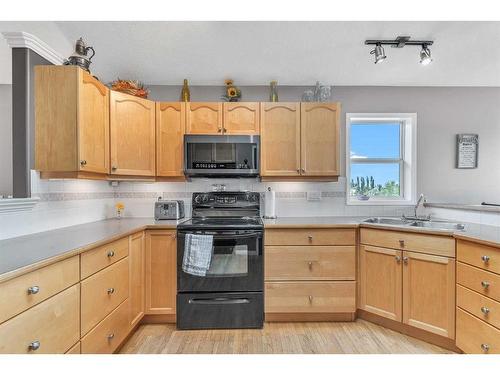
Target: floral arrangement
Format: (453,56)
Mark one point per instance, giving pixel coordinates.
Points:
(131,87)
(120,207)
(233,94)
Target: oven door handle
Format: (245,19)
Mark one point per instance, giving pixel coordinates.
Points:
(218,236)
(218,301)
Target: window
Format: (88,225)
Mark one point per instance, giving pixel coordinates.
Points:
(381,158)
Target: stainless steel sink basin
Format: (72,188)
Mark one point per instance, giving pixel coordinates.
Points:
(429,224)
(387,221)
(446,225)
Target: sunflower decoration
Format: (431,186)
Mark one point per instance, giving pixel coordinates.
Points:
(233,94)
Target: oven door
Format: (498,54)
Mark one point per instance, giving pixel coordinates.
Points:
(237,263)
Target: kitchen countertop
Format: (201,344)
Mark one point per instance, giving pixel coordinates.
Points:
(23,254)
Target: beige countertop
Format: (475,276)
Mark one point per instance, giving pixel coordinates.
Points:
(23,254)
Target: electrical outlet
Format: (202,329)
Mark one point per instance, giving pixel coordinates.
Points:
(313,195)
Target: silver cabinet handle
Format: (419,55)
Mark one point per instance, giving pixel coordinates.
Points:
(310,264)
(35,345)
(110,336)
(33,289)
(405,260)
(485,347)
(485,284)
(402,243)
(111,290)
(114,168)
(111,254)
(310,238)
(398,258)
(83,162)
(303,170)
(485,258)
(310,299)
(298,171)
(485,310)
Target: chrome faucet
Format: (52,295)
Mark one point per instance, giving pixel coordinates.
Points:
(421,199)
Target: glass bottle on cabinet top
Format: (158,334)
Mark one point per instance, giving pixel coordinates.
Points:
(185,93)
(273,93)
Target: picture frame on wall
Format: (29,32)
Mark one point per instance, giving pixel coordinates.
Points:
(467,151)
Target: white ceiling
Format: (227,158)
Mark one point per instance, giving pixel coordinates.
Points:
(294,53)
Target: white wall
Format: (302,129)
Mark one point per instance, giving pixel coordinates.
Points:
(5,140)
(48,32)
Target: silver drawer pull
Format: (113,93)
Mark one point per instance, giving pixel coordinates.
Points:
(110,336)
(310,264)
(33,289)
(111,290)
(485,347)
(310,299)
(310,237)
(111,254)
(485,284)
(485,310)
(35,345)
(485,258)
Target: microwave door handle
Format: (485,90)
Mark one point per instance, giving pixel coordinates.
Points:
(218,301)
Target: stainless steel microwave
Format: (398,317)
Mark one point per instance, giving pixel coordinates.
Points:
(221,155)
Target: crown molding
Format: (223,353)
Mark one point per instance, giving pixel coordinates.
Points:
(21,39)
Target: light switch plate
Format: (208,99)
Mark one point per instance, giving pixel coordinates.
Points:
(313,195)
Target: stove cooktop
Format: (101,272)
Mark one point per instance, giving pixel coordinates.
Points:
(223,223)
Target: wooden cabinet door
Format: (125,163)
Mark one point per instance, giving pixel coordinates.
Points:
(132,134)
(320,147)
(161,271)
(429,293)
(280,139)
(137,264)
(241,118)
(380,279)
(170,127)
(93,124)
(203,118)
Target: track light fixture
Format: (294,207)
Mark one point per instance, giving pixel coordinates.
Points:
(400,42)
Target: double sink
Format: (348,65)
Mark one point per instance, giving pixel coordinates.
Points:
(416,223)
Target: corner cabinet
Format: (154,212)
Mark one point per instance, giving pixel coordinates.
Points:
(203,118)
(300,140)
(319,139)
(280,139)
(170,125)
(161,272)
(132,135)
(71,122)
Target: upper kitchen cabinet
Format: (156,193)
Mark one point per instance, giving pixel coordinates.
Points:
(280,139)
(170,126)
(132,135)
(204,118)
(241,118)
(71,123)
(320,139)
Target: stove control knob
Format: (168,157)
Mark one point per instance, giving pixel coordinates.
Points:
(254,197)
(197,199)
(205,198)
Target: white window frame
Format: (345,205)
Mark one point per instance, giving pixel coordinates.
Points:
(408,163)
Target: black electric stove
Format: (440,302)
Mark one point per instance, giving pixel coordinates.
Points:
(230,295)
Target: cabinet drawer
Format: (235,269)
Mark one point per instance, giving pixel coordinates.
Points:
(310,262)
(478,305)
(108,334)
(484,257)
(53,325)
(103,292)
(313,236)
(304,297)
(103,256)
(421,243)
(484,282)
(32,288)
(476,337)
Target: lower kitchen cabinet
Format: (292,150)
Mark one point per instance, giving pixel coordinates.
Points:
(137,259)
(161,271)
(413,288)
(380,281)
(429,293)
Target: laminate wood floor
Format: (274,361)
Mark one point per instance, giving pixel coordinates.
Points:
(360,337)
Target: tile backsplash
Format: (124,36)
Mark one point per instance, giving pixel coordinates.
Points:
(70,202)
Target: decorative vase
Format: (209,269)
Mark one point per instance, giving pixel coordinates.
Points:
(185,93)
(273,94)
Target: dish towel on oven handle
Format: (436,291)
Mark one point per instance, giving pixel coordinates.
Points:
(197,254)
